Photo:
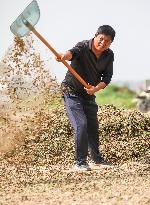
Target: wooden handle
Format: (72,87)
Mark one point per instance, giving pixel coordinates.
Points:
(58,56)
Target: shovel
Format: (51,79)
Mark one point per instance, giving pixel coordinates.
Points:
(26,22)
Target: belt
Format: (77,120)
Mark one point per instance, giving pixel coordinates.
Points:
(67,89)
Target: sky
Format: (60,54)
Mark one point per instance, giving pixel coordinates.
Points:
(64,23)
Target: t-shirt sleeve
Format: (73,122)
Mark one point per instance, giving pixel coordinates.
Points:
(77,49)
(108,72)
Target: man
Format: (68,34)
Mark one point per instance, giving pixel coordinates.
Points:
(93,61)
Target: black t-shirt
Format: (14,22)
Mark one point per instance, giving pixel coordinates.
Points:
(92,69)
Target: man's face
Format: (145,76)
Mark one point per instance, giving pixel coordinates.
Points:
(102,42)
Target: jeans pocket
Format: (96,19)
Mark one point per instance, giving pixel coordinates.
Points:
(73,101)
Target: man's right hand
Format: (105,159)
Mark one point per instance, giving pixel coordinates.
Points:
(60,57)
(66,56)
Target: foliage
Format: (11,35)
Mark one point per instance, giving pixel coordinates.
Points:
(121,97)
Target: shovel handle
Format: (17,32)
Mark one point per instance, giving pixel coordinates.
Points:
(58,56)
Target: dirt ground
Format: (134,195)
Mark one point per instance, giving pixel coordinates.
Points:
(23,183)
(126,184)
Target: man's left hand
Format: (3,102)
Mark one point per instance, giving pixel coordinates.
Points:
(91,90)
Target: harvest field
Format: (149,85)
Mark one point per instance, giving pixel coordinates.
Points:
(37,147)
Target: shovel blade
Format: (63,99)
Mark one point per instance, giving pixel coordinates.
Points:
(30,14)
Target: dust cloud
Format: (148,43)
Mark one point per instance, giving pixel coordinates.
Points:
(26,86)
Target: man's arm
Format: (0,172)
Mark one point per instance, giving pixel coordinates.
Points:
(72,53)
(106,78)
(94,89)
(66,56)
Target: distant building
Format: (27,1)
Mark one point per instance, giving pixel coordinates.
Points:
(147,84)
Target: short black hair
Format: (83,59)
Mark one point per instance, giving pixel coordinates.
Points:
(107,30)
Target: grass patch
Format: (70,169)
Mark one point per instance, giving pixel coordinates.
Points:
(118,96)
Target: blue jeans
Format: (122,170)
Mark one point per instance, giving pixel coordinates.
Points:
(82,114)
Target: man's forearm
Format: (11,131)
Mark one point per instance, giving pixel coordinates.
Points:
(67,56)
(64,56)
(100,86)
(94,89)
